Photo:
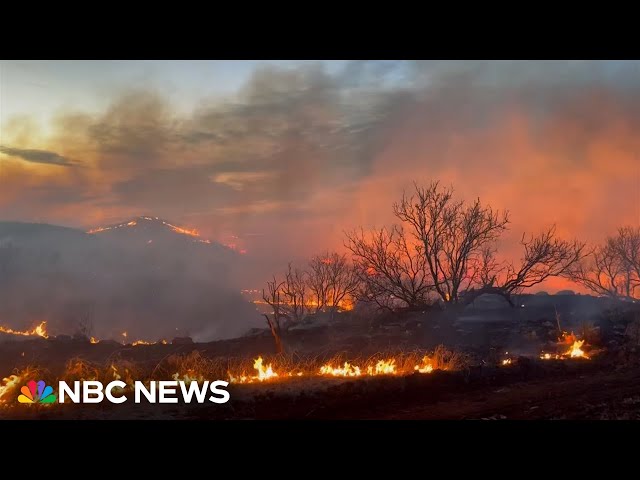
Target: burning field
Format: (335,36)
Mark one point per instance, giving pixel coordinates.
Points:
(352,381)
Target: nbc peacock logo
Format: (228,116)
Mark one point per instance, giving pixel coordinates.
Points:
(36,392)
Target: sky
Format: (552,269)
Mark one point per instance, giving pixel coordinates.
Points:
(283,156)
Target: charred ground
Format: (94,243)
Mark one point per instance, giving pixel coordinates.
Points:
(605,386)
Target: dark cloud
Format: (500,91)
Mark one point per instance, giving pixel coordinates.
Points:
(37,156)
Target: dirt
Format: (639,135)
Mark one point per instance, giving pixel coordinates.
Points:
(604,387)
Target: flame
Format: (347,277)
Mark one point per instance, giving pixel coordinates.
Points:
(144,342)
(576,350)
(347,371)
(383,367)
(94,340)
(39,331)
(264,373)
(506,361)
(185,231)
(188,377)
(192,232)
(8,385)
(124,334)
(426,366)
(98,230)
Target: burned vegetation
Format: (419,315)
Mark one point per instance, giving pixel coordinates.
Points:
(421,319)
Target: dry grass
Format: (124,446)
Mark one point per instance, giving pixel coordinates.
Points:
(196,366)
(115,369)
(10,385)
(447,359)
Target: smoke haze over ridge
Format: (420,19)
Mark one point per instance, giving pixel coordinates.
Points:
(290,155)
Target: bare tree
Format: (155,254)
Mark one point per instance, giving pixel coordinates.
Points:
(452,234)
(294,289)
(331,280)
(390,268)
(544,256)
(612,269)
(273,298)
(627,245)
(343,280)
(318,278)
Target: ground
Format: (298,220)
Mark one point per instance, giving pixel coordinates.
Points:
(606,386)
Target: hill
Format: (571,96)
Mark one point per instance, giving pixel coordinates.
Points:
(141,275)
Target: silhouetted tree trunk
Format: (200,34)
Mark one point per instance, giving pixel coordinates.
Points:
(275,331)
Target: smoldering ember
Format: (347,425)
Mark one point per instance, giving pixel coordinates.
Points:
(334,239)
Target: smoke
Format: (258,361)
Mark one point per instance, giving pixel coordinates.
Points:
(149,282)
(299,155)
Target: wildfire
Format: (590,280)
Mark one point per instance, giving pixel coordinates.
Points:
(425,367)
(347,371)
(188,377)
(192,232)
(144,342)
(576,350)
(264,373)
(94,340)
(39,331)
(8,385)
(185,231)
(132,223)
(382,367)
(98,230)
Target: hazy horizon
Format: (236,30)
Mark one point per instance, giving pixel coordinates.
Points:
(281,157)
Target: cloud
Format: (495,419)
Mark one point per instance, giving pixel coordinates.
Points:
(37,156)
(299,154)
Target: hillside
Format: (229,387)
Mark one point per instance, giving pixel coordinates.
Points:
(147,277)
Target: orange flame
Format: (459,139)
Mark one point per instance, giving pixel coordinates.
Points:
(264,373)
(39,331)
(347,371)
(576,350)
(8,385)
(426,366)
(382,367)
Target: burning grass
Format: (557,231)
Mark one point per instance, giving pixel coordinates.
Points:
(39,330)
(571,348)
(195,366)
(10,385)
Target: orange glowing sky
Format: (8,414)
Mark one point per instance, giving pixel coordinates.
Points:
(287,156)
